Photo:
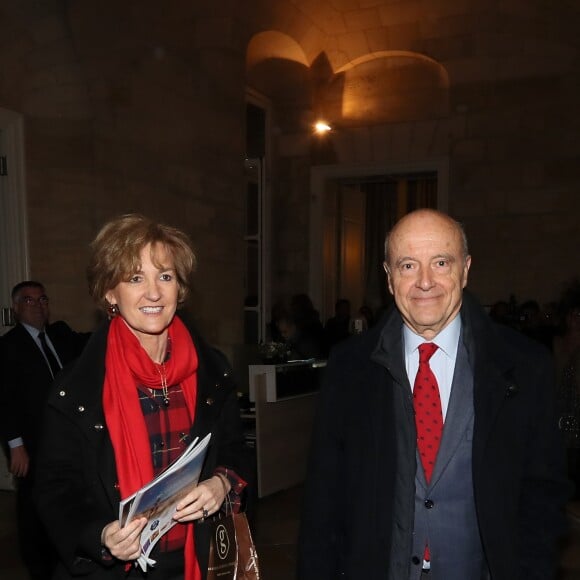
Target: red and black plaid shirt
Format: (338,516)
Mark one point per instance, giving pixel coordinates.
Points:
(168,428)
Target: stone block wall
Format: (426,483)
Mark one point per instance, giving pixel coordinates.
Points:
(125,115)
(509,133)
(128,106)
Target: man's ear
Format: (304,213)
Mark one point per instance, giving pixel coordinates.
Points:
(466,267)
(388,273)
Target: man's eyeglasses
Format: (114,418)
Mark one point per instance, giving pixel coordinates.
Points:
(31,301)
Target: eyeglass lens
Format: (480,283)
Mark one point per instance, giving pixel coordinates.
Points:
(30,300)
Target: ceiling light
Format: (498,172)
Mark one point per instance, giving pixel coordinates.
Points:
(321,127)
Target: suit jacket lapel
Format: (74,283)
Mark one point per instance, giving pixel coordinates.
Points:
(32,349)
(459,412)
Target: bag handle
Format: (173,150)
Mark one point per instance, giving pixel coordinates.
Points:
(227,500)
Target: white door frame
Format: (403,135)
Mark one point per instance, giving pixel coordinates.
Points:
(14,265)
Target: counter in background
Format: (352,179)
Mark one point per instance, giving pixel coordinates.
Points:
(284,397)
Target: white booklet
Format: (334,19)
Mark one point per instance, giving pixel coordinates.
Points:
(156,501)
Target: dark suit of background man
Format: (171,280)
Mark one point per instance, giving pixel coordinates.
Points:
(493,506)
(26,377)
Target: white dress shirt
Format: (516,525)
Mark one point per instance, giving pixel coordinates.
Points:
(442,362)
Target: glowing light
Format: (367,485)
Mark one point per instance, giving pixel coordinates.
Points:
(321,127)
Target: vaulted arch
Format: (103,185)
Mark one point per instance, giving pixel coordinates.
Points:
(273,44)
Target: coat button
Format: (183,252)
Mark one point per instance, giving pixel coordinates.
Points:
(62,393)
(218,385)
(116,486)
(81,409)
(511,390)
(416,560)
(98,426)
(209,401)
(429,503)
(226,374)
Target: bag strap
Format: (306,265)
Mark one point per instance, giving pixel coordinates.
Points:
(227,500)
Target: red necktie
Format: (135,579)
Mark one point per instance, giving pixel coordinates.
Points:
(428,415)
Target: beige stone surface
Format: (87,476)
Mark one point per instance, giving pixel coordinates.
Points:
(127,107)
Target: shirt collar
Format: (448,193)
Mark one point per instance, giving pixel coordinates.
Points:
(32,330)
(447,340)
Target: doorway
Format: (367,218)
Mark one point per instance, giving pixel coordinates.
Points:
(352,209)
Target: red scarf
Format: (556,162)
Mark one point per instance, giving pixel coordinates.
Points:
(127,365)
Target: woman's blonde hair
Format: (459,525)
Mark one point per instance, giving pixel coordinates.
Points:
(116,254)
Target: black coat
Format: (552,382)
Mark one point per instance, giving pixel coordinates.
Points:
(356,464)
(27,378)
(77,492)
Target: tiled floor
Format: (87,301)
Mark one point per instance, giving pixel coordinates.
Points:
(275,530)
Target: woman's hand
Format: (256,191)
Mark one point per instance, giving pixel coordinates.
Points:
(202,501)
(123,543)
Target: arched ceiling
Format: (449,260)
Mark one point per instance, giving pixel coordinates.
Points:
(344,30)
(375,66)
(274,45)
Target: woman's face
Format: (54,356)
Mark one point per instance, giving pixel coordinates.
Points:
(147,301)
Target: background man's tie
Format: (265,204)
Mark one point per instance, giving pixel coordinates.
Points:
(53,363)
(428,414)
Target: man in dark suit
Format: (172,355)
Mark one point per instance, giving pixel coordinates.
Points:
(435,452)
(31,354)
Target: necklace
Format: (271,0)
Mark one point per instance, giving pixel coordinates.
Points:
(164,389)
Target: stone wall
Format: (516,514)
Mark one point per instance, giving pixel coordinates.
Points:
(133,106)
(502,81)
(129,111)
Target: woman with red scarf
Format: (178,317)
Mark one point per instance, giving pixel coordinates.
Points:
(145,386)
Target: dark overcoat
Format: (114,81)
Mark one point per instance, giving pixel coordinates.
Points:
(77,490)
(360,490)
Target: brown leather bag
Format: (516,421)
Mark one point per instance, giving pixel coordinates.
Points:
(232,553)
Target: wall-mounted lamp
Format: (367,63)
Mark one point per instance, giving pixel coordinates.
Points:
(321,144)
(321,128)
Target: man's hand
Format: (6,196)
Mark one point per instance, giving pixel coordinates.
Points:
(19,461)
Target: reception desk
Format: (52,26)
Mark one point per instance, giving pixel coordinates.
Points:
(284,398)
